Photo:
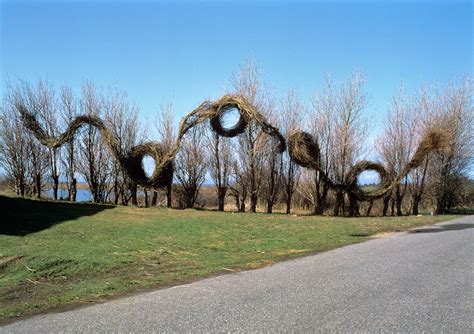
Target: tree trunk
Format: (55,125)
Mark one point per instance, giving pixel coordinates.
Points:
(288,202)
(317,202)
(154,199)
(321,196)
(94,190)
(353,206)
(73,191)
(399,207)
(169,189)
(339,203)
(221,192)
(419,193)
(146,198)
(123,197)
(242,206)
(386,201)
(237,201)
(38,185)
(440,205)
(189,201)
(442,195)
(55,187)
(441,198)
(116,192)
(22,188)
(134,194)
(398,201)
(416,203)
(319,207)
(369,208)
(269,205)
(253,201)
(17,188)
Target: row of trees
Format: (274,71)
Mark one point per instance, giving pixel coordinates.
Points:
(247,170)
(341,129)
(32,166)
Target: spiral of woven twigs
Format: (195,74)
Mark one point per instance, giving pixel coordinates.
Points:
(305,151)
(303,148)
(247,114)
(132,161)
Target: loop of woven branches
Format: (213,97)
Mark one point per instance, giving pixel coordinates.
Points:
(303,147)
(247,114)
(132,161)
(305,151)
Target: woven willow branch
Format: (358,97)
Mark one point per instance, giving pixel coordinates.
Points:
(305,151)
(303,148)
(132,161)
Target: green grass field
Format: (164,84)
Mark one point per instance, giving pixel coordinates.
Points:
(58,255)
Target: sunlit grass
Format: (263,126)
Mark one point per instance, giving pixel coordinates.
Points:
(57,255)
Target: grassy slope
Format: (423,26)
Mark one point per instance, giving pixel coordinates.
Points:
(53,255)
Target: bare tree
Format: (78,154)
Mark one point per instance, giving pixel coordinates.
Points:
(396,144)
(23,157)
(95,160)
(167,134)
(306,188)
(41,100)
(423,106)
(272,174)
(456,115)
(68,109)
(247,82)
(322,120)
(239,188)
(14,155)
(122,121)
(349,136)
(220,158)
(272,168)
(251,162)
(336,121)
(291,111)
(191,165)
(37,162)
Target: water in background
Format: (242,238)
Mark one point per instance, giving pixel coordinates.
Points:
(83,195)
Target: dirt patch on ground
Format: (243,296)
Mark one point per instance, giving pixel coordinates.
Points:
(383,235)
(6,260)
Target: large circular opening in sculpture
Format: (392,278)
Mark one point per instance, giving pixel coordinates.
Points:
(226,115)
(148,163)
(356,180)
(369,181)
(146,154)
(230,117)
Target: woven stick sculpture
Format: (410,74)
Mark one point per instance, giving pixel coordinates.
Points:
(305,151)
(132,161)
(303,148)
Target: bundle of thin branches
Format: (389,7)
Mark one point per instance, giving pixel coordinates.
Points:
(132,161)
(247,113)
(305,151)
(363,166)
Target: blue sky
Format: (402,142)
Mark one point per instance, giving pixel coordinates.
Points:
(186,51)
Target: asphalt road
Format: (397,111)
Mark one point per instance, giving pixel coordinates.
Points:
(409,282)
